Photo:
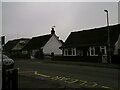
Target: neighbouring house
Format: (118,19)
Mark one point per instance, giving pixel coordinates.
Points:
(44,45)
(117,47)
(14,48)
(92,43)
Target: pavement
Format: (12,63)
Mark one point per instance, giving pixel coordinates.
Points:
(102,65)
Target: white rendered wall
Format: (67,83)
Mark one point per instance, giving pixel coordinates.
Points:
(52,46)
(117,46)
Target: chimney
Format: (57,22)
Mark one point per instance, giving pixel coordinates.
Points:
(53,30)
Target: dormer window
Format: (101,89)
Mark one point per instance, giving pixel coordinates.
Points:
(22,42)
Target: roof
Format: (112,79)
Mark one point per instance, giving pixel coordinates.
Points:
(97,36)
(61,41)
(21,44)
(11,44)
(37,42)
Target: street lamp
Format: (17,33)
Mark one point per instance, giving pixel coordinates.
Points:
(108,32)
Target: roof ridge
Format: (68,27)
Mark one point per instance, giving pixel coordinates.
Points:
(96,28)
(20,39)
(42,35)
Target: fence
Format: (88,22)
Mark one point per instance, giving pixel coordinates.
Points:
(10,79)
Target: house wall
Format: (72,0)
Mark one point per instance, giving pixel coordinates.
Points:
(88,51)
(69,52)
(52,46)
(93,59)
(117,46)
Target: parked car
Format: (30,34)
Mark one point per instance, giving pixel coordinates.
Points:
(7,62)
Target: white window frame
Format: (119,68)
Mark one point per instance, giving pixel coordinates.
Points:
(93,48)
(73,52)
(25,52)
(34,51)
(80,52)
(105,51)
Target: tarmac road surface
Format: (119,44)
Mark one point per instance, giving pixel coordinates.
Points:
(34,73)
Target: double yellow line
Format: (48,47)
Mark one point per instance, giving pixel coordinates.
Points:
(82,83)
(70,81)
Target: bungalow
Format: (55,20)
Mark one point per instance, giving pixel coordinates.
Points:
(44,45)
(15,47)
(93,42)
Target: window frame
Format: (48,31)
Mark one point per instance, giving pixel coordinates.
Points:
(103,48)
(69,52)
(93,49)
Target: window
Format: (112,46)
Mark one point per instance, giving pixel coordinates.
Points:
(73,51)
(95,50)
(69,52)
(103,50)
(25,52)
(92,51)
(65,52)
(34,51)
(80,52)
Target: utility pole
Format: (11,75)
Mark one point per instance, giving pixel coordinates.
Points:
(108,34)
(2,44)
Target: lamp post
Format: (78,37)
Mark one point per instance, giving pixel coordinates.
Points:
(108,34)
(2,44)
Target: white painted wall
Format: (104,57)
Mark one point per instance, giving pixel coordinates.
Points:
(117,46)
(52,46)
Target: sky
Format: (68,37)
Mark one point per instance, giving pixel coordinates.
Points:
(31,19)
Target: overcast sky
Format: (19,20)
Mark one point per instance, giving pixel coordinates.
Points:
(29,19)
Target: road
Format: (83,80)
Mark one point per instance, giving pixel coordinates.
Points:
(68,75)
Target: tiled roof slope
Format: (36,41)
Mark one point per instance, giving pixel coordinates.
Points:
(37,42)
(11,44)
(20,45)
(97,36)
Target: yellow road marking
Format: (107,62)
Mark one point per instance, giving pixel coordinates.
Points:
(83,82)
(106,87)
(70,81)
(91,84)
(59,78)
(41,74)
